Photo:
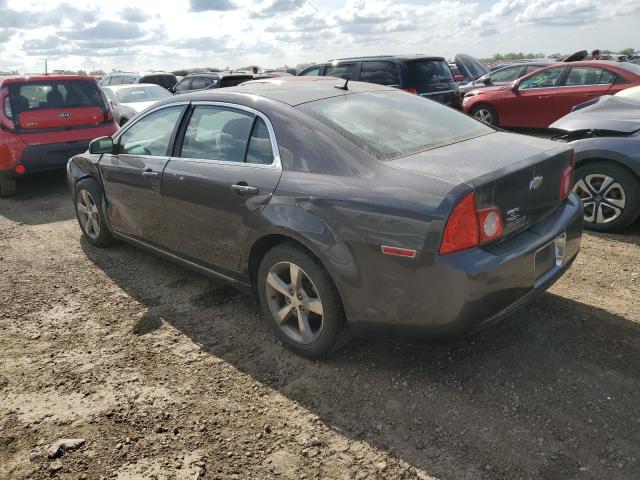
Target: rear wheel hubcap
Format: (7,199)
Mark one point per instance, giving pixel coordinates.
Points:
(604,198)
(88,214)
(294,302)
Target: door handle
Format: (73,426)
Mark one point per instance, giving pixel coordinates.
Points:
(242,189)
(149,174)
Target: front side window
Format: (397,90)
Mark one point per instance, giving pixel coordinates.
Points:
(382,73)
(343,70)
(151,134)
(389,125)
(217,133)
(259,150)
(506,75)
(116,80)
(312,72)
(183,85)
(199,83)
(545,79)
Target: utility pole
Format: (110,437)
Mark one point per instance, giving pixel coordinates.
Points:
(46,71)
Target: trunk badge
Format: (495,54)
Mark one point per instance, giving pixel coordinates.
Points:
(536,183)
(64,115)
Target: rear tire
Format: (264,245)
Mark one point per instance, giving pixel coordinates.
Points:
(610,195)
(485,113)
(307,314)
(88,200)
(7,186)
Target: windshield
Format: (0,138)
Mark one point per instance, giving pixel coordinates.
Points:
(389,125)
(146,93)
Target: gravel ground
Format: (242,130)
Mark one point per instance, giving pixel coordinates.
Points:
(167,375)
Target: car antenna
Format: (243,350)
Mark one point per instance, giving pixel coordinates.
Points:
(344,87)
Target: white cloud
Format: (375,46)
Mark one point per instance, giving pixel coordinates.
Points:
(189,33)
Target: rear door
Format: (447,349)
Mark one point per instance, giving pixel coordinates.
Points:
(225,169)
(132,176)
(532,103)
(580,85)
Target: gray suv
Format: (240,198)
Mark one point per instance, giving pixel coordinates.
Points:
(164,79)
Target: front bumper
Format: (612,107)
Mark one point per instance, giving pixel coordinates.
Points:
(446,297)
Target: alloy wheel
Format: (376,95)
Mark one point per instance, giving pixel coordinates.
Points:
(604,198)
(88,214)
(294,302)
(484,115)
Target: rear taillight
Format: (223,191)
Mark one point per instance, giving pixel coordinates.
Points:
(6,114)
(411,90)
(469,227)
(567,179)
(7,108)
(20,169)
(461,231)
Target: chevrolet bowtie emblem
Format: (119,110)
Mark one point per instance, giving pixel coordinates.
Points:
(536,183)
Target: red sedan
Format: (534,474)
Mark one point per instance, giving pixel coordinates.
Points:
(542,97)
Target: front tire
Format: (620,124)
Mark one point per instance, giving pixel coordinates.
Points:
(300,302)
(485,113)
(88,200)
(610,195)
(7,186)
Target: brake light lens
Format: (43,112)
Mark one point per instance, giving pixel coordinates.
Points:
(20,169)
(461,231)
(411,90)
(6,112)
(490,221)
(7,108)
(567,178)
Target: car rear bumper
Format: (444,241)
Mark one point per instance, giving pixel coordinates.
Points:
(39,158)
(449,297)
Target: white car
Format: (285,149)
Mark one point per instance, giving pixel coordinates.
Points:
(632,93)
(128,100)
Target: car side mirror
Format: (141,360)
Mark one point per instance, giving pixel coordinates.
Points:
(514,86)
(487,81)
(101,145)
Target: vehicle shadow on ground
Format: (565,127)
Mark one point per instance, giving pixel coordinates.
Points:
(630,235)
(550,393)
(44,197)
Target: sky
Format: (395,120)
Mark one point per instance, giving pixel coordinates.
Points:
(156,35)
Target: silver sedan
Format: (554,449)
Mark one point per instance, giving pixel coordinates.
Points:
(128,100)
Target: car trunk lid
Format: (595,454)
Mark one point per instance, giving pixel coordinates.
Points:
(520,176)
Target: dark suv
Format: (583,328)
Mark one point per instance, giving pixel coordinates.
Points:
(426,75)
(205,81)
(164,79)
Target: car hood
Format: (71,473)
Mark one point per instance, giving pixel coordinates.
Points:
(486,90)
(470,67)
(577,56)
(610,113)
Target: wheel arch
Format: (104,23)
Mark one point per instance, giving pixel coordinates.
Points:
(622,162)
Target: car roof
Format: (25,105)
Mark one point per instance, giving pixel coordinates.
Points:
(289,90)
(417,56)
(219,74)
(41,78)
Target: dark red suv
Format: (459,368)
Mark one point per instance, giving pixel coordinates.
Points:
(46,120)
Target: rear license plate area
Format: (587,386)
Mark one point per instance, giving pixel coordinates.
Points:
(545,259)
(549,259)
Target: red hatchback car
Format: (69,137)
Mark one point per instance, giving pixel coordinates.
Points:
(46,120)
(542,97)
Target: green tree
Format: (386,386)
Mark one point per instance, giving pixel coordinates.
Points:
(627,51)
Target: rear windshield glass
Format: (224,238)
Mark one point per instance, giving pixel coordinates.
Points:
(389,125)
(143,93)
(428,72)
(233,81)
(631,67)
(55,94)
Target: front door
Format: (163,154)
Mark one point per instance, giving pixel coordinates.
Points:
(214,189)
(132,176)
(531,104)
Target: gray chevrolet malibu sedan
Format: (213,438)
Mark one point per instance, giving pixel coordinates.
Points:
(345,209)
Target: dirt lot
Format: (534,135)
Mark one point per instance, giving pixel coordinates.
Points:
(167,375)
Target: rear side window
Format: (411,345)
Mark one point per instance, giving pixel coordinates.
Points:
(508,74)
(606,77)
(311,72)
(259,150)
(200,83)
(55,94)
(428,72)
(383,73)
(389,125)
(217,133)
(344,70)
(579,76)
(151,135)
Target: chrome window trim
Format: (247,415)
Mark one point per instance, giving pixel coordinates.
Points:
(277,162)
